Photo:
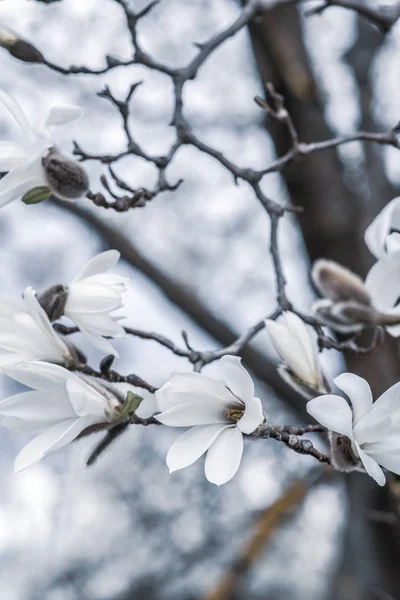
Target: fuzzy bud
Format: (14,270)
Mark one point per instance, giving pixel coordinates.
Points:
(20,49)
(337,283)
(342,454)
(66,178)
(53,301)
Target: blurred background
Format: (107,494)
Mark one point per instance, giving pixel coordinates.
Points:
(125,529)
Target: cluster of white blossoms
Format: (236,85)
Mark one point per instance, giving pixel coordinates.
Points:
(63,404)
(364,435)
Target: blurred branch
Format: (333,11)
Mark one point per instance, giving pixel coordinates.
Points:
(268,522)
(384,17)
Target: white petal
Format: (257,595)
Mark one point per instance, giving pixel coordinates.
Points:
(92,298)
(197,382)
(376,234)
(38,375)
(359,392)
(98,324)
(97,340)
(194,413)
(372,467)
(55,437)
(308,347)
(85,399)
(18,114)
(42,320)
(11,155)
(373,426)
(37,405)
(148,407)
(253,416)
(236,377)
(23,427)
(191,445)
(383,282)
(393,242)
(224,456)
(333,412)
(390,399)
(60,115)
(294,345)
(16,184)
(99,264)
(389,460)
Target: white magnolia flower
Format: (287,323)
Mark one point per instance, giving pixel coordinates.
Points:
(351,304)
(297,346)
(383,235)
(23,161)
(26,333)
(59,409)
(93,295)
(90,300)
(218,412)
(372,429)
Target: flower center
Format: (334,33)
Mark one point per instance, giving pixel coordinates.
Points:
(235,414)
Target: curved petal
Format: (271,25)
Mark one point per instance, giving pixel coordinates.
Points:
(236,377)
(390,399)
(96,340)
(308,344)
(11,155)
(98,324)
(373,426)
(203,412)
(92,298)
(99,264)
(389,460)
(383,282)
(376,234)
(62,114)
(18,114)
(55,437)
(38,375)
(197,382)
(333,412)
(359,392)
(85,399)
(191,445)
(224,456)
(37,405)
(372,467)
(23,427)
(393,242)
(253,416)
(41,318)
(16,185)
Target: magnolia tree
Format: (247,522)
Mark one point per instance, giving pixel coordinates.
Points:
(71,398)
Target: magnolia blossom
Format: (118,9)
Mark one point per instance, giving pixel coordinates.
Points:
(297,346)
(218,412)
(26,333)
(383,235)
(351,304)
(61,407)
(90,299)
(23,161)
(372,430)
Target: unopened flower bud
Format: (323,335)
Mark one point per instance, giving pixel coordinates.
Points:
(53,301)
(343,457)
(19,48)
(66,177)
(338,283)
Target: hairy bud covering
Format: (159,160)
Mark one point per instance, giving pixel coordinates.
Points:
(53,301)
(20,49)
(342,455)
(337,283)
(66,178)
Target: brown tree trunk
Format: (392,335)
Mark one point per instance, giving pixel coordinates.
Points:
(333,225)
